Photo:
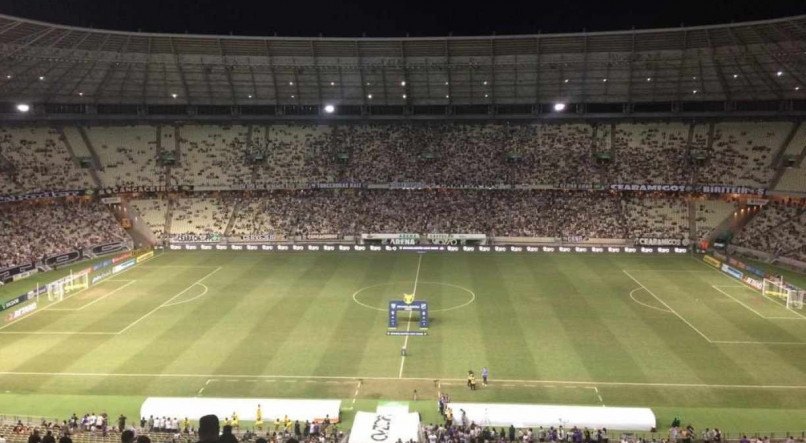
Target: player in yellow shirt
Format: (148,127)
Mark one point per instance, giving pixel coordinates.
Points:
(287,422)
(259,418)
(235,422)
(277,424)
(227,421)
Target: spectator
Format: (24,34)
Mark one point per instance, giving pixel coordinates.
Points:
(208,429)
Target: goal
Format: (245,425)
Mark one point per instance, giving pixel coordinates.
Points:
(63,286)
(778,289)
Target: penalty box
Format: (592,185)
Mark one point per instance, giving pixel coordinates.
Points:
(710,305)
(78,311)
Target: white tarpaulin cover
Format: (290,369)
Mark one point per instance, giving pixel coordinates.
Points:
(246,408)
(377,427)
(522,415)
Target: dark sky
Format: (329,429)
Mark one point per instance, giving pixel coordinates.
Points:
(394,18)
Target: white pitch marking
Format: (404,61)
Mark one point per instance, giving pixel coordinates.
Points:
(738,301)
(408,323)
(107,295)
(664,270)
(745,285)
(632,296)
(191,298)
(55,303)
(165,303)
(295,378)
(57,333)
(669,307)
(732,342)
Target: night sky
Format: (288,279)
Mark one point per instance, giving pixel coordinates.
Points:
(352,18)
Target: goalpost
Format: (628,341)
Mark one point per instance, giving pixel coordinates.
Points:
(74,282)
(777,288)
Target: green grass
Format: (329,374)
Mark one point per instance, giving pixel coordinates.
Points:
(550,328)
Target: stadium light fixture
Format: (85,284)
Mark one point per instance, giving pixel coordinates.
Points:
(695,91)
(369,96)
(446,83)
(797,88)
(330,109)
(174,95)
(649,79)
(8,76)
(249,96)
(404,95)
(23,107)
(484,83)
(559,107)
(566,81)
(403,83)
(735,75)
(332,83)
(293,96)
(779,73)
(604,80)
(447,96)
(486,95)
(290,83)
(81,94)
(41,78)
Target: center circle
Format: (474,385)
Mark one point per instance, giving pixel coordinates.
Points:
(440,296)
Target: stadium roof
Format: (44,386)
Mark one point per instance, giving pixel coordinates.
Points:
(753,61)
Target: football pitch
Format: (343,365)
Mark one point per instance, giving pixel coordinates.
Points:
(666,332)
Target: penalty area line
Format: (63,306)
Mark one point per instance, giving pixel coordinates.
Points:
(168,302)
(668,307)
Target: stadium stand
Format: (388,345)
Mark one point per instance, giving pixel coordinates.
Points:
(219,157)
(658,216)
(128,155)
(778,228)
(44,228)
(710,213)
(794,177)
(447,154)
(38,160)
(744,152)
(213,156)
(652,153)
(152,212)
(497,213)
(201,215)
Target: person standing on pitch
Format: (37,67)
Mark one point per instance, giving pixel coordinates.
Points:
(259,418)
(484,374)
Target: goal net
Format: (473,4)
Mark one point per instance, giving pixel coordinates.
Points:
(63,286)
(776,288)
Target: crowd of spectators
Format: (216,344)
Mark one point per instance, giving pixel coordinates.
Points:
(438,153)
(779,228)
(493,212)
(128,155)
(450,154)
(505,213)
(34,159)
(34,230)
